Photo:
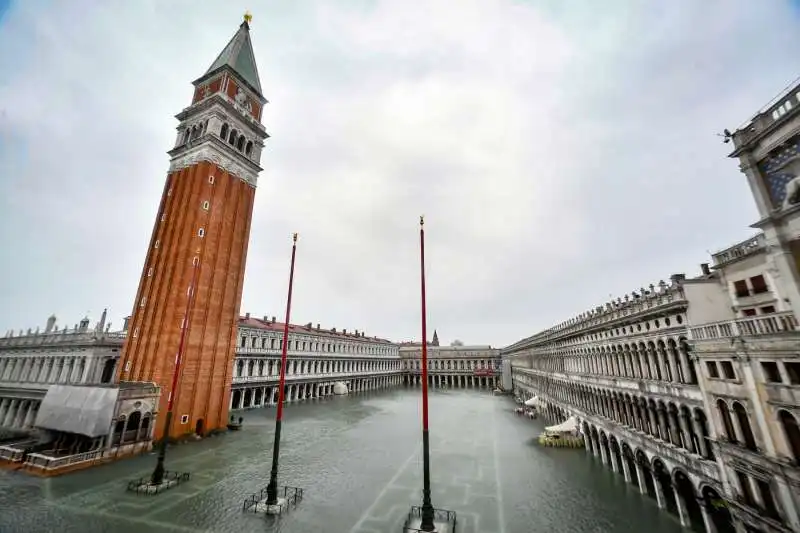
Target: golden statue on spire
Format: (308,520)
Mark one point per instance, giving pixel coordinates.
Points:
(248,17)
(422,220)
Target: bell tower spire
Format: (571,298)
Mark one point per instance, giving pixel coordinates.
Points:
(191,283)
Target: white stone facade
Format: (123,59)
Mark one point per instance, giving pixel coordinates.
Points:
(317,359)
(625,371)
(454,366)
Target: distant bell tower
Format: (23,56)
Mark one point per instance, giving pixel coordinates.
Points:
(204,220)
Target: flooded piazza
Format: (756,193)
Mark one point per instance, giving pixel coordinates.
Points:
(359,460)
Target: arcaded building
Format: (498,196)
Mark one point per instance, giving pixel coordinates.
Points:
(691,389)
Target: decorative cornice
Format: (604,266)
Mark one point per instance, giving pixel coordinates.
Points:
(208,152)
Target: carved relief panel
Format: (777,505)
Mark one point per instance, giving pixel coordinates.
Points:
(781,171)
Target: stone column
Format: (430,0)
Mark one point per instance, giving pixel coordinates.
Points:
(640,477)
(698,428)
(707,521)
(785,502)
(659,493)
(683,514)
(625,469)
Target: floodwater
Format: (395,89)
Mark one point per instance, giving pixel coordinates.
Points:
(359,460)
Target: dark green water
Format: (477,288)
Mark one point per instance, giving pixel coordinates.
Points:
(359,459)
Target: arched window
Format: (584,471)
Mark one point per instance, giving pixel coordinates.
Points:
(232,137)
(201,232)
(240,144)
(223,133)
(792,432)
(187,135)
(725,414)
(249,148)
(744,423)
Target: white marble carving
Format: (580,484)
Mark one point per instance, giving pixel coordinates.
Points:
(207,152)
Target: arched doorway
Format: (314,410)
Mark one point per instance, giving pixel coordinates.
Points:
(665,482)
(647,473)
(199,427)
(616,456)
(627,455)
(684,488)
(717,510)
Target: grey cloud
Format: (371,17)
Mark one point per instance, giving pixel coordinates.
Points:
(560,154)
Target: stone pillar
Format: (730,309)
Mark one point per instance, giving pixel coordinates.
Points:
(659,493)
(626,469)
(663,431)
(783,495)
(683,514)
(789,277)
(698,429)
(707,521)
(640,476)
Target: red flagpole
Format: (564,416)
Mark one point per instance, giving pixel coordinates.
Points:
(272,488)
(158,474)
(427,523)
(424,327)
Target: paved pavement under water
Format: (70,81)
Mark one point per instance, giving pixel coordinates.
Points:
(359,460)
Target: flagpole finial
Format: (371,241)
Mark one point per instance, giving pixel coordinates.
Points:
(422,220)
(294,237)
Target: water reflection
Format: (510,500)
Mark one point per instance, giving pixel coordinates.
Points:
(359,460)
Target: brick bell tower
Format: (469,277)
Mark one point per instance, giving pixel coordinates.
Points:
(203,220)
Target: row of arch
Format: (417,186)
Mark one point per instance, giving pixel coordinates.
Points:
(662,359)
(261,367)
(236,139)
(701,507)
(738,430)
(471,364)
(672,422)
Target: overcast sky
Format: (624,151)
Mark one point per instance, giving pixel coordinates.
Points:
(560,154)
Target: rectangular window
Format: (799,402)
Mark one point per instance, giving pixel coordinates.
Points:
(206,205)
(156,244)
(793,370)
(242,342)
(135,332)
(211,180)
(149,272)
(749,312)
(740,288)
(727,370)
(711,366)
(767,309)
(771,373)
(201,232)
(144,300)
(184,419)
(759,284)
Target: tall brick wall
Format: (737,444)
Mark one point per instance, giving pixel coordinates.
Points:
(154,331)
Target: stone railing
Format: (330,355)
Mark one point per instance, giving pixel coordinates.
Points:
(659,299)
(753,326)
(741,249)
(63,337)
